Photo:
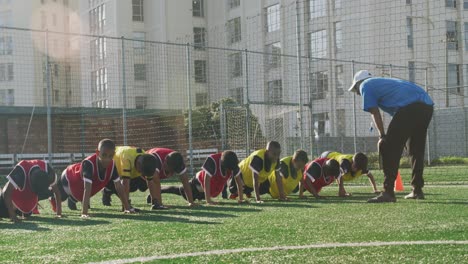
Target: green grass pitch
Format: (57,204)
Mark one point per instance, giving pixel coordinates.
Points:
(110,235)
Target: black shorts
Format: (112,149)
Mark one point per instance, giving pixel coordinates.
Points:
(3,209)
(196,187)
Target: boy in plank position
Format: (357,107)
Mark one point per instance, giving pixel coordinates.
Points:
(351,167)
(210,181)
(255,170)
(136,169)
(169,163)
(291,171)
(319,173)
(29,182)
(80,181)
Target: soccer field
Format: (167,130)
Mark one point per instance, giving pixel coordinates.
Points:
(328,229)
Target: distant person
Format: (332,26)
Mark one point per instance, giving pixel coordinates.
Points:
(319,173)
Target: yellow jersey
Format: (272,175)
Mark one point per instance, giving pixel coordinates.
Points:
(256,162)
(345,161)
(289,176)
(124,160)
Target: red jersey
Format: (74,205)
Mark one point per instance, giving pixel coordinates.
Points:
(313,172)
(161,155)
(212,167)
(76,181)
(23,198)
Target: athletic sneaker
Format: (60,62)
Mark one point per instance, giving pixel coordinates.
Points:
(148,199)
(248,195)
(419,195)
(384,197)
(233,196)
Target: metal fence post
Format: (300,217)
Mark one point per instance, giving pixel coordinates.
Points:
(247,104)
(391,71)
(354,112)
(124,95)
(49,100)
(428,146)
(189,99)
(299,74)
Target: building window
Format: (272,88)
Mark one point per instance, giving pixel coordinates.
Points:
(273,56)
(318,85)
(237,94)
(56,70)
(339,80)
(6,19)
(200,71)
(317,8)
(7,72)
(198,8)
(139,41)
(7,97)
(466,36)
(452,35)
(233,3)
(409,2)
(201,99)
(318,44)
(275,127)
(6,45)
(43,20)
(137,10)
(140,72)
(199,38)
(56,96)
(274,91)
(453,78)
(337,4)
(235,65)
(409,32)
(341,122)
(411,72)
(321,124)
(338,37)
(234,30)
(465,4)
(141,102)
(273,18)
(97,19)
(451,3)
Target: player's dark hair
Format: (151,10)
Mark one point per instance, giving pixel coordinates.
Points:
(360,161)
(148,165)
(229,160)
(106,144)
(332,168)
(300,155)
(273,145)
(40,181)
(175,161)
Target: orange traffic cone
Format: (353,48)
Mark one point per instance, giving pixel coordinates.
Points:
(399,183)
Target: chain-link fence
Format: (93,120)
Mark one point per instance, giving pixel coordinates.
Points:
(60,93)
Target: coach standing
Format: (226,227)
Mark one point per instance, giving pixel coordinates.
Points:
(411,110)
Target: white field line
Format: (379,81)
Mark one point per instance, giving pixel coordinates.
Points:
(328,245)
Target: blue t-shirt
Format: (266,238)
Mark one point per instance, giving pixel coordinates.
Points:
(391,94)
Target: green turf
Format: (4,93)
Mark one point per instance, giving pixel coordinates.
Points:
(110,235)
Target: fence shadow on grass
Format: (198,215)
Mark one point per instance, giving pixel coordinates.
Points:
(23,225)
(70,220)
(152,216)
